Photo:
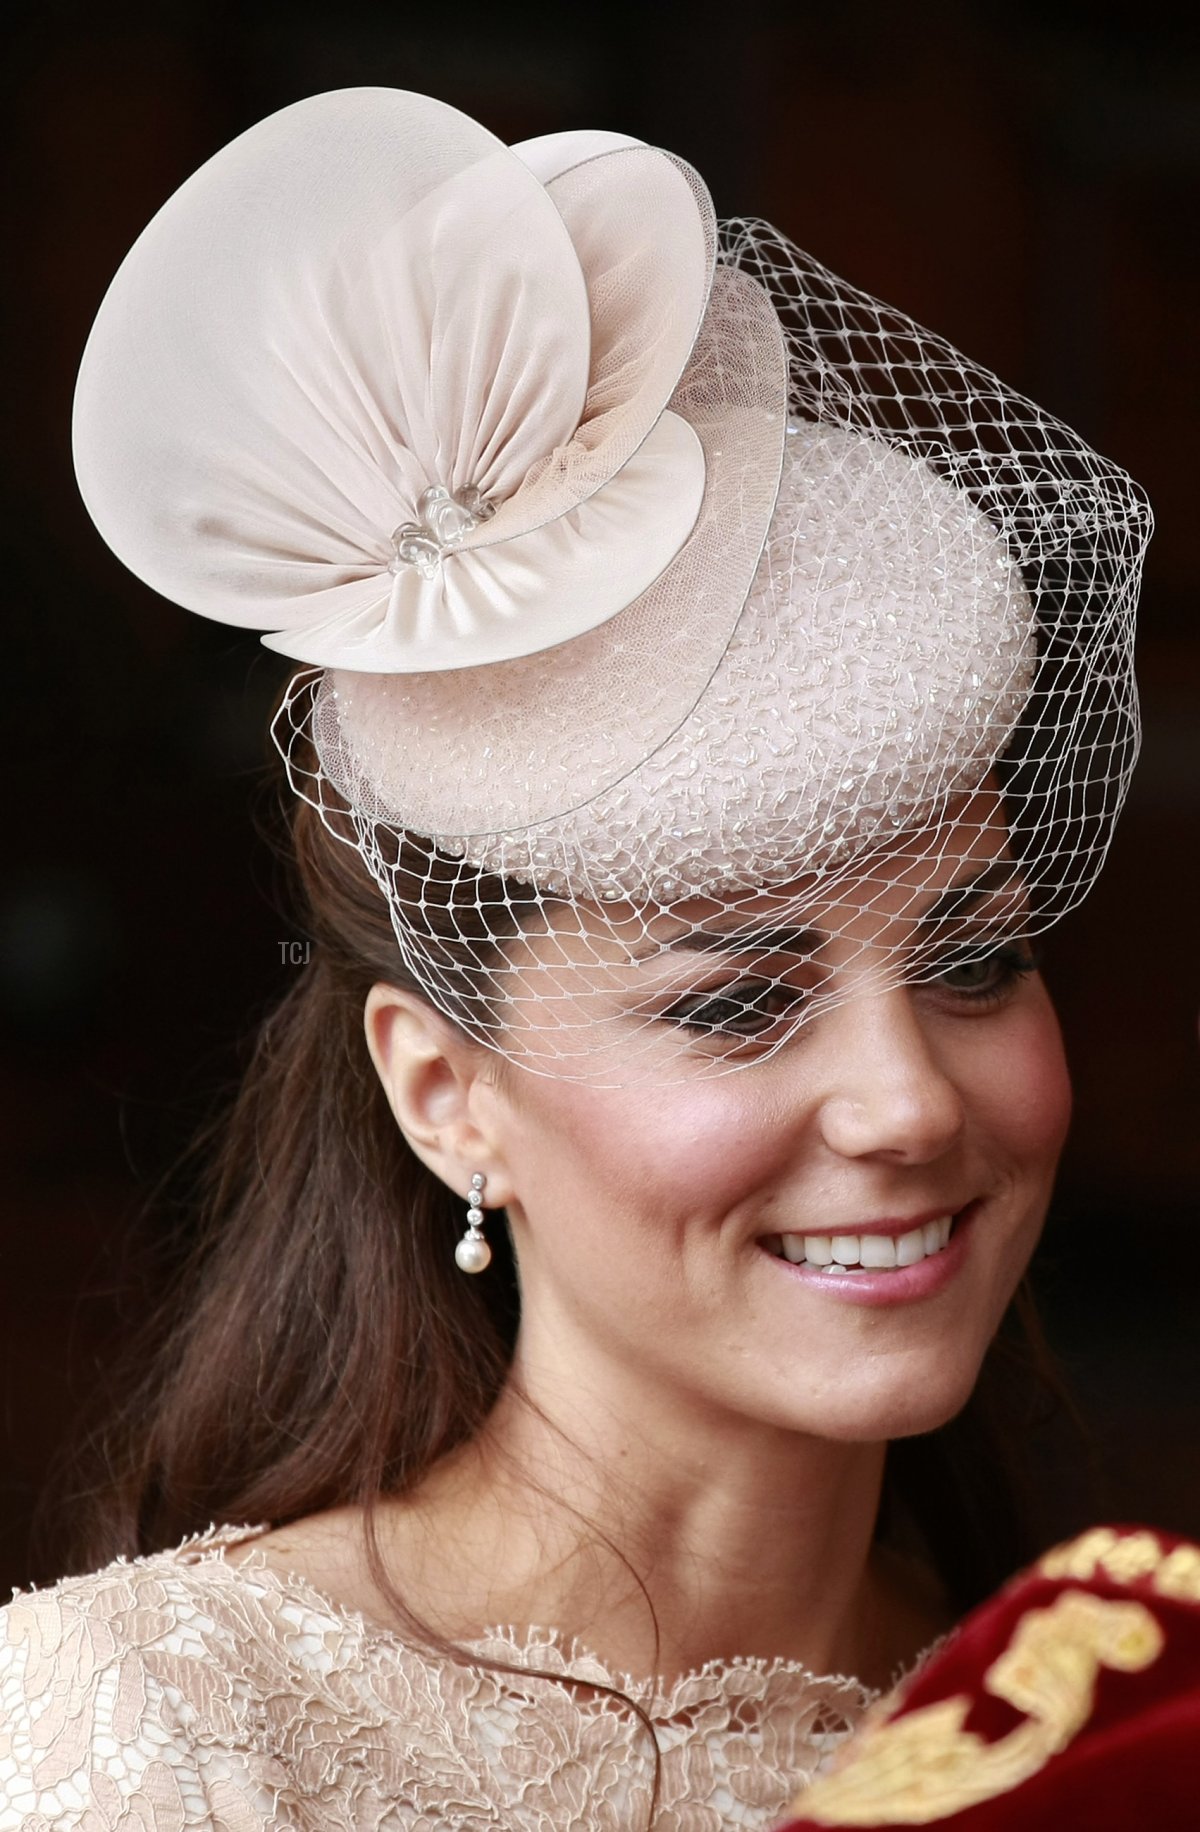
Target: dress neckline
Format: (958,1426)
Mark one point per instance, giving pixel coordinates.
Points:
(547,1648)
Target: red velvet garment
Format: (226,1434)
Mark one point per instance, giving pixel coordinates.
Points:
(1071,1699)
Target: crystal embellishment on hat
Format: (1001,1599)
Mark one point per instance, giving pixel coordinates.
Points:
(886,651)
(447,517)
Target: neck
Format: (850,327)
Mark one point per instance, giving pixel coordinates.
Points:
(662,1536)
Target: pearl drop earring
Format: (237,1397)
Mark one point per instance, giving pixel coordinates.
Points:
(472,1253)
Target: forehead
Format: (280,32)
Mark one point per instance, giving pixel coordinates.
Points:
(867,900)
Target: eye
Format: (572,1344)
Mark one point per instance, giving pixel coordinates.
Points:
(746,1008)
(980,973)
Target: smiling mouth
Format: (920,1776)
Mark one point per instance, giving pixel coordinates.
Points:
(851,1253)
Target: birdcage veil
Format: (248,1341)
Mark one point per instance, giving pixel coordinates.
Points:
(693,641)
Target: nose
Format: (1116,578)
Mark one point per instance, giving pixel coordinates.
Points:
(886,1093)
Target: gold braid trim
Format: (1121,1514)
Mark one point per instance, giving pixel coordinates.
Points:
(924,1766)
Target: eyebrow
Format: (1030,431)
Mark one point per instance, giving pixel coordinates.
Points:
(805,942)
(1002,875)
(737,941)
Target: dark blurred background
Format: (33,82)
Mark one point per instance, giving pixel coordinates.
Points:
(1021,178)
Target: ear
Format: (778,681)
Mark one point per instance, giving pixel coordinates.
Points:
(441,1088)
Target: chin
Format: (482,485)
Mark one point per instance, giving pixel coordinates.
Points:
(905,1408)
(914,1421)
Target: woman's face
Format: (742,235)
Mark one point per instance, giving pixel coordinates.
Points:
(672,1233)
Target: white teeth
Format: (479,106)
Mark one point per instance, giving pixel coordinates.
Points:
(910,1248)
(878,1250)
(861,1252)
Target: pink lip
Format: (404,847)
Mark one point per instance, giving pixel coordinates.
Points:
(902,1285)
(895,1226)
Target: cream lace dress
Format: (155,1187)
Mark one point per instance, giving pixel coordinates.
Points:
(182,1690)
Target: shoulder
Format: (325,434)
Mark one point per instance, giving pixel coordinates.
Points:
(178,1604)
(323,1557)
(136,1682)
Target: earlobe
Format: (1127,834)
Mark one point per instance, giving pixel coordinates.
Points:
(432,1077)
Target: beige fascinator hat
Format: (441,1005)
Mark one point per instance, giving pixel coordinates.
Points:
(645,574)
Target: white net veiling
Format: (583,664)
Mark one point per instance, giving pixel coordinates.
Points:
(907,762)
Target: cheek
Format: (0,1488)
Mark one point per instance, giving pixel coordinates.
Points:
(1026,1092)
(659,1160)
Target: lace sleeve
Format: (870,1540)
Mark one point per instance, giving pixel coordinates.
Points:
(103,1726)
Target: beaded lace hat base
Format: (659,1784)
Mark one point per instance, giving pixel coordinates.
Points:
(693,642)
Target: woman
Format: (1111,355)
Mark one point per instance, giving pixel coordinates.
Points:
(712,682)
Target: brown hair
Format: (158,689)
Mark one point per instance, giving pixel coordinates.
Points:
(318,1346)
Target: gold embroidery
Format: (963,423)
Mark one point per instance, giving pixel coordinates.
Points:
(1179,1575)
(1079,1557)
(1126,1557)
(1135,1555)
(925,1765)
